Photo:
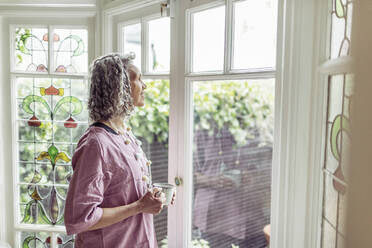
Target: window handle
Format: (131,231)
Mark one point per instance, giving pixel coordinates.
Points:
(178,181)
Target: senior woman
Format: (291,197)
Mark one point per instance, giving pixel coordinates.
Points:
(109,201)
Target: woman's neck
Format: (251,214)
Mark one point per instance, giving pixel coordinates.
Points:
(116,123)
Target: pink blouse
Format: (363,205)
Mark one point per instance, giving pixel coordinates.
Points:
(109,171)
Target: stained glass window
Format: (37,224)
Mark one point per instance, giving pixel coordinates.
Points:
(336,164)
(31,49)
(50,121)
(50,117)
(43,239)
(70,50)
(341,28)
(337,145)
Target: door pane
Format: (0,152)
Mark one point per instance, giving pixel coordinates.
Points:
(254,34)
(159,45)
(232,157)
(132,42)
(208,39)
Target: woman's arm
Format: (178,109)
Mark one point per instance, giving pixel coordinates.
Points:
(147,204)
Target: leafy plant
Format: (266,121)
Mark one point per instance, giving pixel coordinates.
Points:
(245,108)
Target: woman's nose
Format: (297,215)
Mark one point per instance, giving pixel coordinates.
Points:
(144,86)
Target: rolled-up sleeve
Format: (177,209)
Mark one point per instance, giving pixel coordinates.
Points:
(86,189)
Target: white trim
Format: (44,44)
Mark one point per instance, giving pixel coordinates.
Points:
(40,228)
(48,12)
(116,8)
(299,115)
(229,30)
(48,5)
(145,46)
(232,76)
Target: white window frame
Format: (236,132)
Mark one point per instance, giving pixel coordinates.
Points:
(17,18)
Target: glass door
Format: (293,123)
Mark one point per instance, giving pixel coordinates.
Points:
(230,77)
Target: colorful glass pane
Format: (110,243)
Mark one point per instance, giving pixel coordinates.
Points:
(34,240)
(51,123)
(31,49)
(341,28)
(340,96)
(65,241)
(70,50)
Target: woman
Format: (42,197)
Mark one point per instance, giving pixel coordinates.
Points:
(109,203)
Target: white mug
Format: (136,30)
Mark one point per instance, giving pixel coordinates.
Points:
(167,189)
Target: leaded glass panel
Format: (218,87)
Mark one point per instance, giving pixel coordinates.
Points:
(340,96)
(30,49)
(341,28)
(51,123)
(35,239)
(70,50)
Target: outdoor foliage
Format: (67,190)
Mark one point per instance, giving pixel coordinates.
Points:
(246,108)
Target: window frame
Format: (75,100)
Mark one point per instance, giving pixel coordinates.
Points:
(13,223)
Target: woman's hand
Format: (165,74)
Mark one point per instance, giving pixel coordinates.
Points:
(150,203)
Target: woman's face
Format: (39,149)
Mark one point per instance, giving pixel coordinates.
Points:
(137,86)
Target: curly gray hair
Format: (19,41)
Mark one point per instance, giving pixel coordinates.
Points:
(110,91)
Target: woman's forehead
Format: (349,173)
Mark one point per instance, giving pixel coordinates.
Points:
(134,72)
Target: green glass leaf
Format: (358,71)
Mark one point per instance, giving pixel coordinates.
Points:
(53,151)
(80,45)
(340,9)
(42,213)
(63,156)
(43,155)
(27,216)
(19,59)
(335,130)
(26,104)
(27,240)
(37,177)
(78,106)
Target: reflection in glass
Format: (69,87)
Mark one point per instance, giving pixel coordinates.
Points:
(132,42)
(232,153)
(159,45)
(208,40)
(254,34)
